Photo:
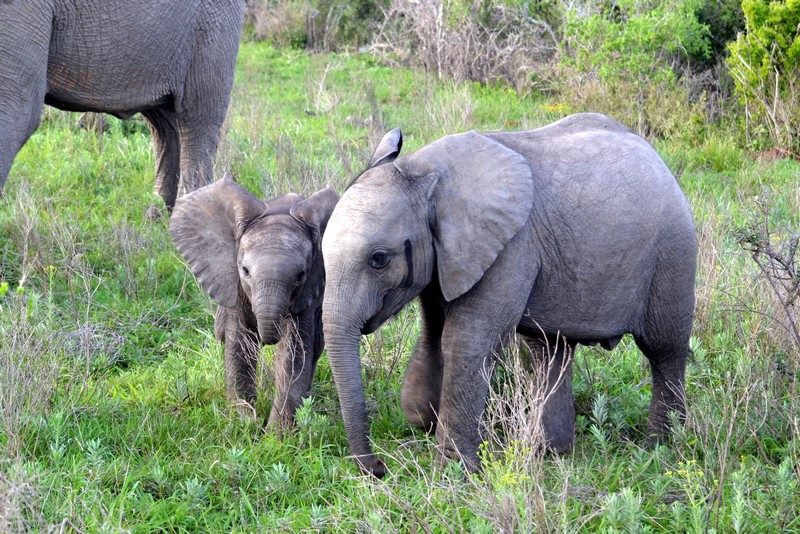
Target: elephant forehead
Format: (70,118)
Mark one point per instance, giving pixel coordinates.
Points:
(375,201)
(276,235)
(366,215)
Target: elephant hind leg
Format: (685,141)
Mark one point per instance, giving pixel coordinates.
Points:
(553,363)
(667,364)
(167,147)
(665,342)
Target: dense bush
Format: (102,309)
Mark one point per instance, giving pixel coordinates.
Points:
(724,19)
(765,65)
(324,25)
(479,40)
(637,41)
(627,59)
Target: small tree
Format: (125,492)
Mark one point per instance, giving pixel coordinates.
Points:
(765,65)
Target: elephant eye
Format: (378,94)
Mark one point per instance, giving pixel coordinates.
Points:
(379,260)
(300,277)
(245,271)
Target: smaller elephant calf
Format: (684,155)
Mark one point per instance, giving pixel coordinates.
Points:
(261,262)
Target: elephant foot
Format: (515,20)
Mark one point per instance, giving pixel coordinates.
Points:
(371,465)
(423,420)
(445,455)
(559,434)
(153,213)
(245,409)
(280,420)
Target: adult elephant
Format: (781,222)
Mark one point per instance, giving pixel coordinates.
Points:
(171,61)
(575,229)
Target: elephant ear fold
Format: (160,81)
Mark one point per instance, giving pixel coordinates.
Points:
(282,204)
(316,209)
(206,226)
(482,196)
(388,149)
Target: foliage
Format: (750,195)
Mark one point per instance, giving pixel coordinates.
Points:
(637,41)
(724,19)
(322,25)
(765,65)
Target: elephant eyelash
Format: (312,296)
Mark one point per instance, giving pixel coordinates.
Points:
(379,259)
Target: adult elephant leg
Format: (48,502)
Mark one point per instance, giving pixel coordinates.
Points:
(24,46)
(242,349)
(553,363)
(665,338)
(295,361)
(199,137)
(422,385)
(476,326)
(207,91)
(167,146)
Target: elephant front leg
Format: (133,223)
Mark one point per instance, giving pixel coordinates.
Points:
(24,45)
(242,349)
(475,328)
(422,384)
(295,361)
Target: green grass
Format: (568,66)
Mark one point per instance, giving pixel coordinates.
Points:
(133,432)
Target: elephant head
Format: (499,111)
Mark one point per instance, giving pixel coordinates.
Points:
(246,252)
(438,217)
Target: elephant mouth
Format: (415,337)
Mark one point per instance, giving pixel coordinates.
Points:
(270,334)
(371,325)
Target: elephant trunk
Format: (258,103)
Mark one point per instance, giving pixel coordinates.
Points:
(270,306)
(342,339)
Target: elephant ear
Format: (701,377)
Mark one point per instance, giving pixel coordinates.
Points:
(206,226)
(282,204)
(388,149)
(316,209)
(314,212)
(482,195)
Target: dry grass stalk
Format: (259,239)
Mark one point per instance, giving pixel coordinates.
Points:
(494,41)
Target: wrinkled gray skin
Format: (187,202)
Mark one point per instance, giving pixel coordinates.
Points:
(261,262)
(171,61)
(575,228)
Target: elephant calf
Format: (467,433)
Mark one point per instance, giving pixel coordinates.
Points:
(261,262)
(575,229)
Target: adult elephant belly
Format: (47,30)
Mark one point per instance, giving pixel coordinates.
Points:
(120,57)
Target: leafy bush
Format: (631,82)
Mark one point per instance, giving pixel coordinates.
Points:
(625,60)
(637,40)
(765,65)
(724,19)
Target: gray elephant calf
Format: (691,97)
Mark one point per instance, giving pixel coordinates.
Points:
(171,61)
(577,228)
(261,262)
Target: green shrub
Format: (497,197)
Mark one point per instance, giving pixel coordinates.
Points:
(637,41)
(765,65)
(622,59)
(724,19)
